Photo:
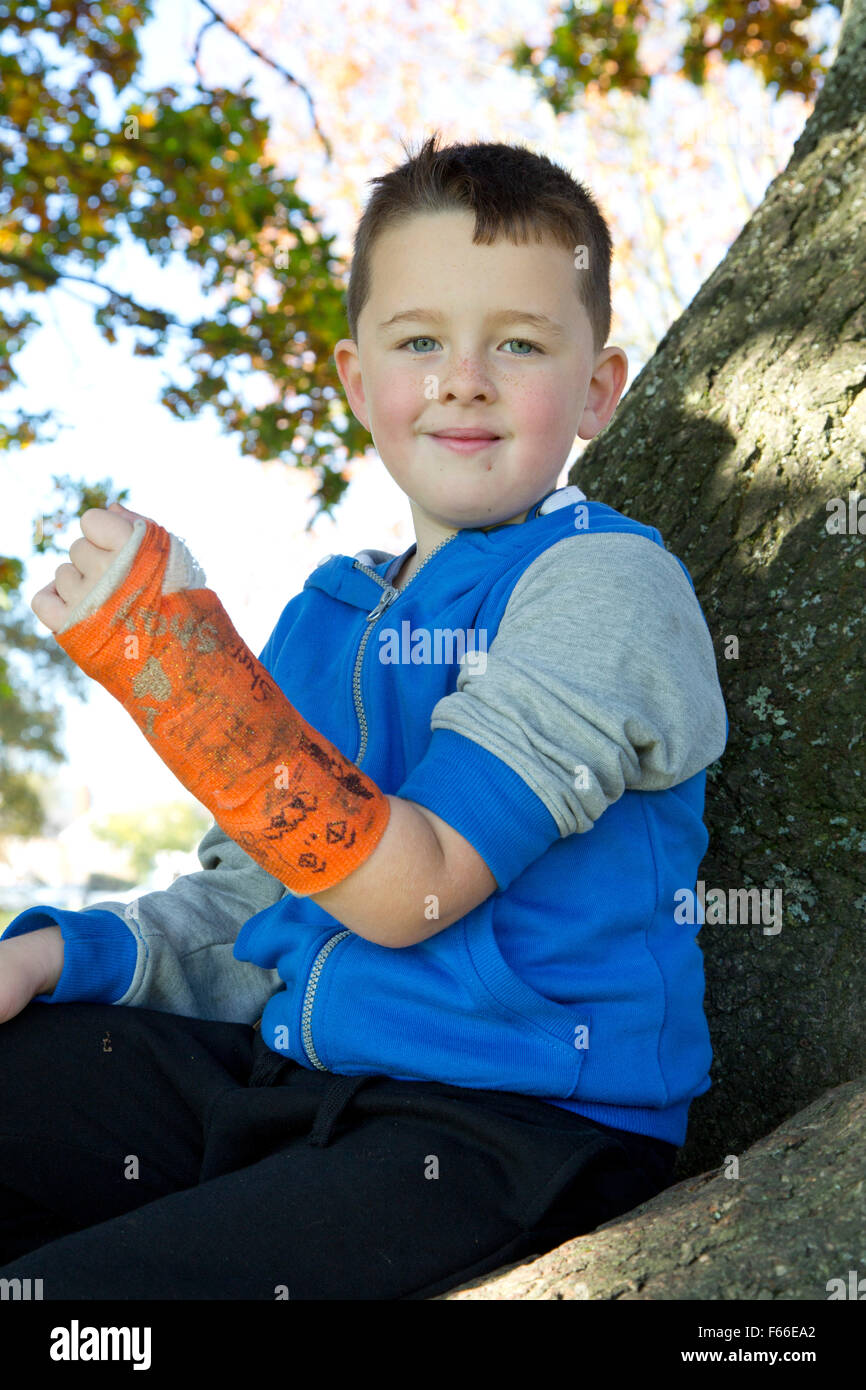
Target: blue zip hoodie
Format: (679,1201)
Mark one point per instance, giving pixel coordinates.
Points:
(549,689)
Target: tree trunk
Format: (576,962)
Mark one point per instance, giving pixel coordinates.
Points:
(734,440)
(784,1222)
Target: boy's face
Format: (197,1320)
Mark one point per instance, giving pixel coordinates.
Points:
(468,369)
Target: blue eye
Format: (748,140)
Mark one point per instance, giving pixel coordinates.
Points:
(524,341)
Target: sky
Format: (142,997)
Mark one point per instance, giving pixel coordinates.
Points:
(243,520)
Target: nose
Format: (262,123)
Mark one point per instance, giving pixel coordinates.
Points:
(467,380)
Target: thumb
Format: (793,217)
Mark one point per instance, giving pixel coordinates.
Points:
(118,507)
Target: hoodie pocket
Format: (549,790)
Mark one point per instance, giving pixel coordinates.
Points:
(551,1039)
(427,1013)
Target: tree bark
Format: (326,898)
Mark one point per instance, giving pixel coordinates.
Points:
(784,1222)
(734,439)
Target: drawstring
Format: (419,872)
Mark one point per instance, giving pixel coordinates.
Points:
(267,1071)
(334,1101)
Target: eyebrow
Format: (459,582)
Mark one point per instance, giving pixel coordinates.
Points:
(540,321)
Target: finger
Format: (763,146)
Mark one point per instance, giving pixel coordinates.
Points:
(49,607)
(118,506)
(83,555)
(70,584)
(119,509)
(90,560)
(106,529)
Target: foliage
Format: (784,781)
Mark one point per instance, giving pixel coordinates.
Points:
(144,833)
(596,43)
(182,175)
(30,721)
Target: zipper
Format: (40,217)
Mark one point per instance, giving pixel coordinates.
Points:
(389,594)
(312,985)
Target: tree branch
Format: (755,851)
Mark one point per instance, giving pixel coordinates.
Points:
(195,53)
(50,276)
(263,57)
(46,273)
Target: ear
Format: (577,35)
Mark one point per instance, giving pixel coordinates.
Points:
(348,367)
(605,388)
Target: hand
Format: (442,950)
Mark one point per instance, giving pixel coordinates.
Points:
(105,533)
(29,965)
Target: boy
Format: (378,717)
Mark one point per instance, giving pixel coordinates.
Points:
(428,1012)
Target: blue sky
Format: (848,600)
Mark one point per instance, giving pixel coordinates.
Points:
(244,521)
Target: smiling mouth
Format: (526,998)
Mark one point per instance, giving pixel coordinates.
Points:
(462,445)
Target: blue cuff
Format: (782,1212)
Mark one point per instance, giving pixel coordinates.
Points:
(99,953)
(484,800)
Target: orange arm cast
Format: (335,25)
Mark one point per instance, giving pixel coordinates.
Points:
(218,720)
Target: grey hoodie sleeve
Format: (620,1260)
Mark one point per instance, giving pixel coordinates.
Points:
(170,950)
(185,935)
(601,677)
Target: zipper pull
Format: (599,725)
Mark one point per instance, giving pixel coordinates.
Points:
(389,594)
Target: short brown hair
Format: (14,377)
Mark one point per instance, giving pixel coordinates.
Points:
(507,187)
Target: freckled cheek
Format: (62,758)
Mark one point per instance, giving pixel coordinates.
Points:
(400,398)
(540,415)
